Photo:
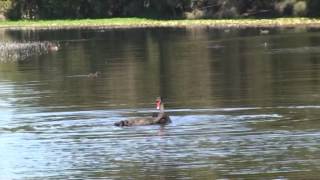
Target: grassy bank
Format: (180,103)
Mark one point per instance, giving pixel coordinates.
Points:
(142,22)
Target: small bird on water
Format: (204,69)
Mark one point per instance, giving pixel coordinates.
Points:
(160,117)
(94,75)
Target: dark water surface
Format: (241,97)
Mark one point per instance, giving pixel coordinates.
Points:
(243,105)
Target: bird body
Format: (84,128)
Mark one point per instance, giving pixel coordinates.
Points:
(157,118)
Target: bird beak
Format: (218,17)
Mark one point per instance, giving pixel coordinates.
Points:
(158,104)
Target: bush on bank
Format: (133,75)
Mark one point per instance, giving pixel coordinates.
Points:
(190,9)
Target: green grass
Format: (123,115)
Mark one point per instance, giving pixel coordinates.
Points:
(143,22)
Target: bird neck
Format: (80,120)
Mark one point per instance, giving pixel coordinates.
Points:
(161,108)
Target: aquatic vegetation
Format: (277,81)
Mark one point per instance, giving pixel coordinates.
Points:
(16,51)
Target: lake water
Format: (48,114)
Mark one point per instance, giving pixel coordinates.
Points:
(243,104)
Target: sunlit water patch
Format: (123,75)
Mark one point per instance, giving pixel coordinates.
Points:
(16,51)
(296,50)
(88,141)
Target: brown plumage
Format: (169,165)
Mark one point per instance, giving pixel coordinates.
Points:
(157,118)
